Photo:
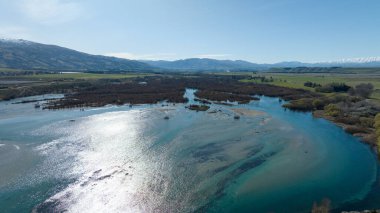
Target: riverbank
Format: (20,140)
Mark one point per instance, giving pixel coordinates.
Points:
(247,112)
(234,164)
(368,137)
(354,114)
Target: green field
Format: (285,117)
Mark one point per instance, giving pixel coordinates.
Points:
(295,80)
(292,80)
(83,76)
(7,70)
(8,73)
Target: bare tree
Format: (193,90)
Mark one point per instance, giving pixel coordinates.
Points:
(363,90)
(323,207)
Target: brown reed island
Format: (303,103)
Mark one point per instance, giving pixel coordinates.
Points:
(349,110)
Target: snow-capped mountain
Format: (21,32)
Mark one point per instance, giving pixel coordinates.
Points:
(15,41)
(357,60)
(22,54)
(352,62)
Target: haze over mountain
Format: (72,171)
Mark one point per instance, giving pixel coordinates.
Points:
(22,54)
(354,62)
(193,64)
(213,64)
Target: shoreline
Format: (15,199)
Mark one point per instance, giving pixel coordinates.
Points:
(247,112)
(354,114)
(252,112)
(366,138)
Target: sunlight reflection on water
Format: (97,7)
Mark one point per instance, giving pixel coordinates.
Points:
(134,160)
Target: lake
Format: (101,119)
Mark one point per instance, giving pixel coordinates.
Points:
(131,159)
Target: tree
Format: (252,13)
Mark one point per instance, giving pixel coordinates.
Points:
(363,90)
(323,207)
(333,87)
(332,110)
(377,131)
(318,104)
(311,84)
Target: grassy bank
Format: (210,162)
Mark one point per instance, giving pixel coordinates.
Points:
(84,76)
(354,113)
(294,80)
(19,83)
(377,131)
(339,98)
(336,99)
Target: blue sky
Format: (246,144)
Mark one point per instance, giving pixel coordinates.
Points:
(263,31)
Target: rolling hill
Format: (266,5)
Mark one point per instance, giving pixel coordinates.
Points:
(22,54)
(205,64)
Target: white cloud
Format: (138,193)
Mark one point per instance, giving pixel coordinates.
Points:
(14,32)
(157,56)
(51,11)
(357,60)
(214,56)
(164,56)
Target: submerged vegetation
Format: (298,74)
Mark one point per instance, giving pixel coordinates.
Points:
(333,87)
(198,107)
(133,92)
(323,207)
(349,76)
(377,130)
(355,114)
(363,90)
(349,106)
(345,104)
(311,84)
(152,89)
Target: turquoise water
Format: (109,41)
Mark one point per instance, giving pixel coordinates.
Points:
(122,159)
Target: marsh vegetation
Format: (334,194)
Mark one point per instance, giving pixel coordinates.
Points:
(350,104)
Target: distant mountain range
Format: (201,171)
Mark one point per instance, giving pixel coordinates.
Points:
(22,54)
(355,62)
(230,65)
(205,64)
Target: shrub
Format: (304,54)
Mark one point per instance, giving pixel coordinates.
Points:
(198,107)
(318,104)
(337,98)
(333,87)
(351,92)
(304,104)
(332,110)
(377,123)
(366,122)
(377,128)
(311,84)
(348,119)
(323,207)
(377,132)
(363,90)
(355,129)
